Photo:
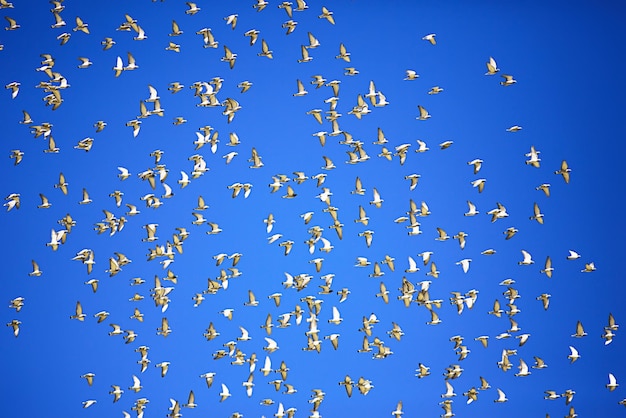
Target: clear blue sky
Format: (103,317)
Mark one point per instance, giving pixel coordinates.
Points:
(568,98)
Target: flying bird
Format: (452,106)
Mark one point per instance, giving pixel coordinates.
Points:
(430,38)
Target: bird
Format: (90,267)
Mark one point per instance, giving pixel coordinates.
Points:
(479,184)
(190,401)
(471,209)
(116,391)
(398,411)
(328,15)
(17,155)
(107,43)
(225,393)
(45,204)
(492,67)
(14,86)
(15,325)
(13,25)
(508,80)
(79,315)
(231,20)
(192,8)
(423,113)
(173,47)
(449,393)
(501,396)
(88,403)
(580,331)
(136,387)
(348,384)
(527,258)
(537,215)
(612,385)
(132,64)
(465,263)
(547,268)
(336,318)
(573,356)
(251,300)
(523,369)
(377,200)
(430,38)
(589,267)
(290,25)
(551,395)
(533,156)
(612,325)
(229,57)
(343,53)
(164,329)
(81,26)
(253,34)
(271,345)
(510,232)
(305,55)
(62,184)
(301,91)
(573,255)
(545,300)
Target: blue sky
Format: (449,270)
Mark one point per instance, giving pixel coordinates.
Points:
(567,99)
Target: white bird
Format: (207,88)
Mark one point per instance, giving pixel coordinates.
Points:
(193,8)
(225,393)
(267,366)
(245,336)
(533,157)
(88,403)
(472,209)
(412,266)
(527,259)
(231,20)
(274,238)
(184,180)
(523,369)
(508,80)
(449,391)
(84,62)
(465,263)
(301,90)
(480,184)
(271,345)
(377,201)
(119,66)
(411,75)
(612,385)
(136,387)
(573,255)
(249,385)
(327,245)
(336,319)
(305,55)
(430,38)
(501,397)
(574,355)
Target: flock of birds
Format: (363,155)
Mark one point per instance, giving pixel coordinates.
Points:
(321,328)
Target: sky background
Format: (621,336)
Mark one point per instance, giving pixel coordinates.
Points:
(566,58)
